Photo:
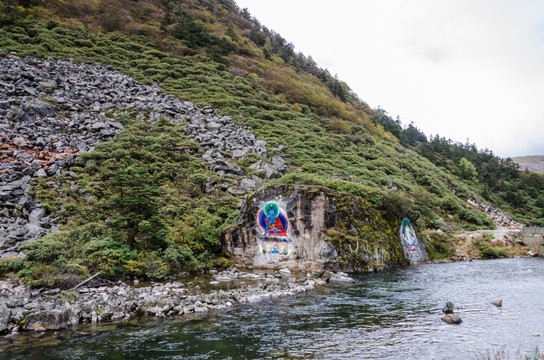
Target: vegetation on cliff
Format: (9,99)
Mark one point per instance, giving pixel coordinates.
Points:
(137,207)
(149,215)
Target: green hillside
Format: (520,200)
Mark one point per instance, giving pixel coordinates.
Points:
(213,53)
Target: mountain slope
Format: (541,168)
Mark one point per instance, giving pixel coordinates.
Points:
(212,53)
(532,163)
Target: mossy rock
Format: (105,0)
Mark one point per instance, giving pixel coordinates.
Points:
(330,230)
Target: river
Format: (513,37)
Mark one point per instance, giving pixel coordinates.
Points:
(393,314)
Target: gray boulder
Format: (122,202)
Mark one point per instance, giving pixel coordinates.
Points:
(265,169)
(37,106)
(55,319)
(248,184)
(5,317)
(240,153)
(279,165)
(452,319)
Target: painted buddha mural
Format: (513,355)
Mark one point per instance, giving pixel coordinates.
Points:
(274,225)
(413,249)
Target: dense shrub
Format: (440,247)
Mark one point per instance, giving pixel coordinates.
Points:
(11,265)
(46,250)
(108,256)
(489,250)
(439,245)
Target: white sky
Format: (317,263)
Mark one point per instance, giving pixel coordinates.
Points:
(460,68)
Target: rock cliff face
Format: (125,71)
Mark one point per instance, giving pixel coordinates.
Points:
(329,231)
(52,110)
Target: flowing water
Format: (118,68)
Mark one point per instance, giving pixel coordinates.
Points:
(388,315)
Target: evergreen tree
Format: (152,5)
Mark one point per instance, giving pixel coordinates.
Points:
(134,198)
(467,170)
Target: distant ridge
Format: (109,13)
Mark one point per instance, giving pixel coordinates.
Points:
(532,163)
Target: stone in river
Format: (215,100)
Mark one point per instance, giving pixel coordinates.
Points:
(497,303)
(449,308)
(452,319)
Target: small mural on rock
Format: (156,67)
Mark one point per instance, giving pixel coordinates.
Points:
(274,225)
(413,249)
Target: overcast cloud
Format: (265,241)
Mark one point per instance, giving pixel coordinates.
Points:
(458,68)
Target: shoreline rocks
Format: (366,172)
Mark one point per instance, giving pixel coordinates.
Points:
(25,310)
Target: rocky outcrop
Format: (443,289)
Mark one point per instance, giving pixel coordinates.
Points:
(329,230)
(270,170)
(52,110)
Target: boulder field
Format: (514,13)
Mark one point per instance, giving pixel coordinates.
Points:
(53,110)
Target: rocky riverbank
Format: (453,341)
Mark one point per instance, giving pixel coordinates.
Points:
(468,245)
(23,309)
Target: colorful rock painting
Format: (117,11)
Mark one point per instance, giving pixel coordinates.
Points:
(274,225)
(413,249)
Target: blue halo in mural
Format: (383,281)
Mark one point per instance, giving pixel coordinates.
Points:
(272,220)
(271,205)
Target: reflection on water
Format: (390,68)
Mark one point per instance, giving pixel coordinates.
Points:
(388,315)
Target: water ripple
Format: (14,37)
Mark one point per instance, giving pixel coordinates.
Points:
(389,315)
